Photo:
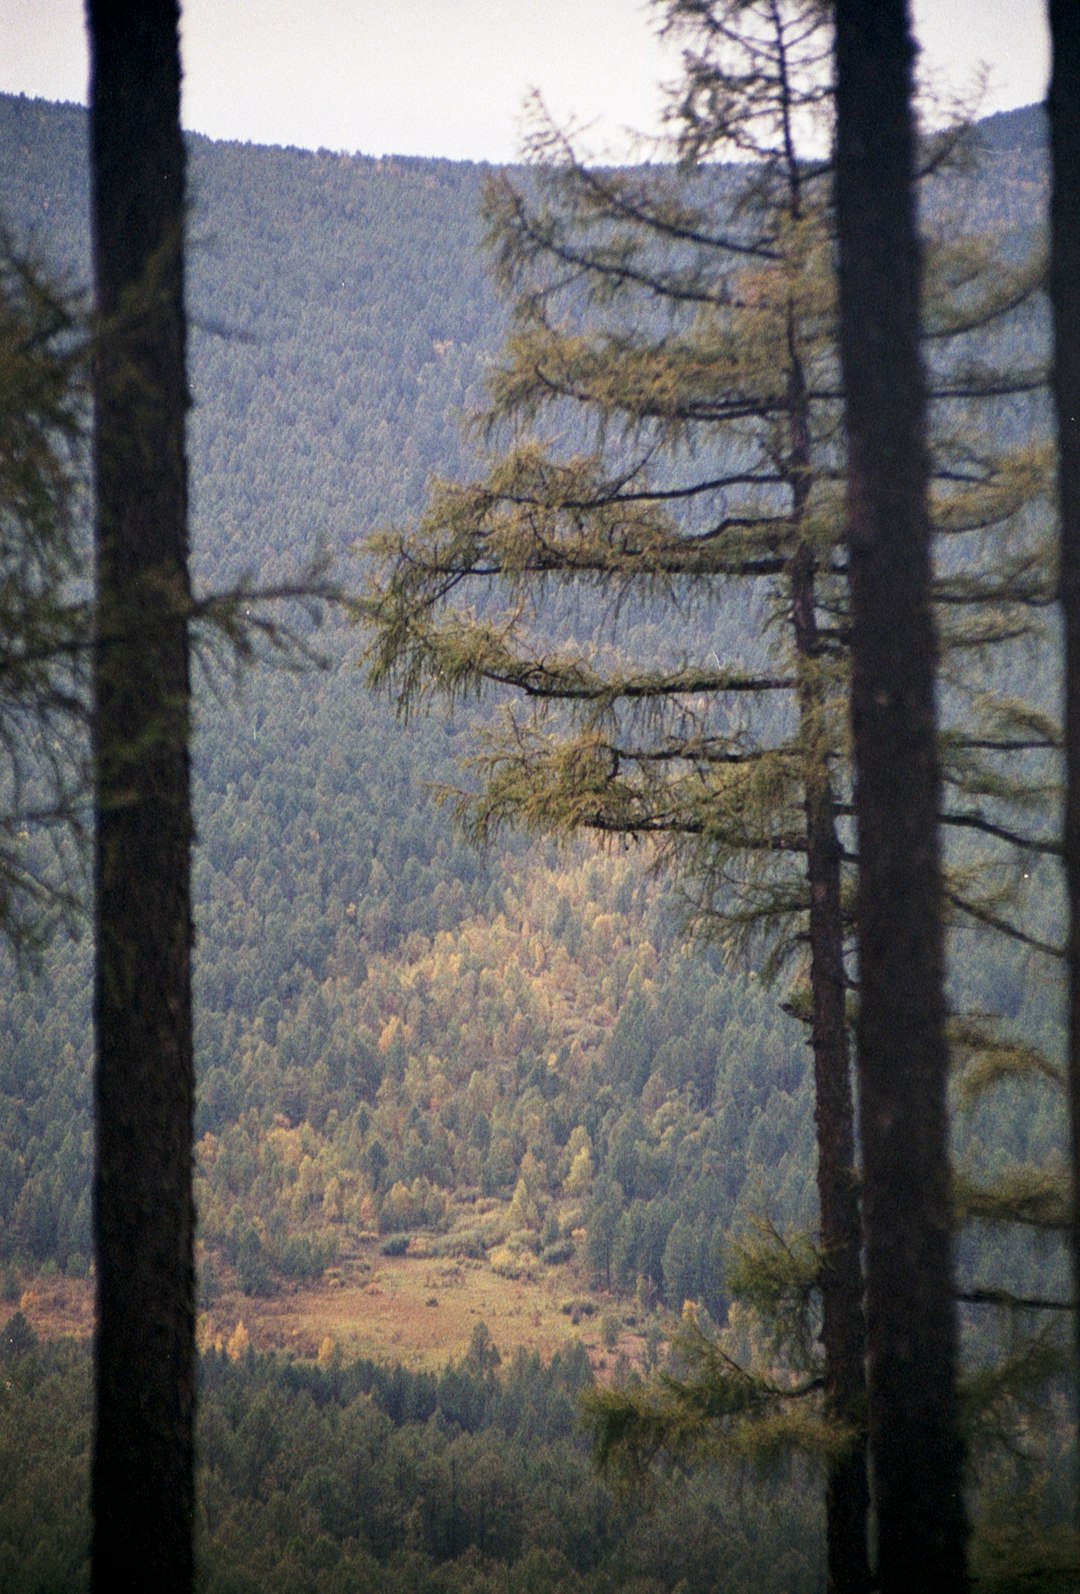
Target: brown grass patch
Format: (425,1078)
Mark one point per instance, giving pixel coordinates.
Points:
(420,1311)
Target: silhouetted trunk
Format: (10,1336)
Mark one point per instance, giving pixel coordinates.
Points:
(1063,104)
(143,1487)
(916,1450)
(843,1329)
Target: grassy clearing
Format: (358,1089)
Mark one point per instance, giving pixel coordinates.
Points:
(417,1310)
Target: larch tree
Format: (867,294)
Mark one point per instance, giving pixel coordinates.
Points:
(43,629)
(142,1473)
(684,323)
(902,1056)
(709,340)
(1063,105)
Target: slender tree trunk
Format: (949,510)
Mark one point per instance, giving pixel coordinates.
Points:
(843,1331)
(1063,104)
(143,1485)
(916,1451)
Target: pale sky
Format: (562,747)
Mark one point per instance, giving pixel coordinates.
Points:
(449,77)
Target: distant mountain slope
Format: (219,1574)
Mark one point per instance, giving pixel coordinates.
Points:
(434,1022)
(340,317)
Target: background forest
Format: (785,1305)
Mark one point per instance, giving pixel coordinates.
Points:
(512,1061)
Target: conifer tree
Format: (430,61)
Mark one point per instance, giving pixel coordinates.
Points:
(143,1463)
(688,323)
(748,300)
(42,623)
(1064,113)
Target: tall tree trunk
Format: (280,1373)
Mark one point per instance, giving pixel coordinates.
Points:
(143,1484)
(1063,104)
(843,1330)
(916,1451)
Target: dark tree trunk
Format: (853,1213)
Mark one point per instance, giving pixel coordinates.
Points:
(143,1485)
(843,1330)
(1063,104)
(916,1451)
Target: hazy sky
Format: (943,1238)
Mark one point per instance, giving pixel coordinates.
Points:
(448,77)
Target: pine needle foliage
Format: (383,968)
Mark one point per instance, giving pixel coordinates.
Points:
(985,1056)
(1035,1197)
(43,622)
(713,1403)
(715,1407)
(664,319)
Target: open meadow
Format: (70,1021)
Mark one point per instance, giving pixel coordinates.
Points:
(416,1310)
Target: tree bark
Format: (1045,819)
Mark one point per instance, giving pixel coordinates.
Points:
(916,1451)
(143,1476)
(1063,105)
(843,1329)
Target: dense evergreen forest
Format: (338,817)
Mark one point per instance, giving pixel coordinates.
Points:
(510,1058)
(474,1481)
(427,1016)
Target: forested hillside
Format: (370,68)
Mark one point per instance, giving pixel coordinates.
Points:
(440,1021)
(511,1058)
(433,1016)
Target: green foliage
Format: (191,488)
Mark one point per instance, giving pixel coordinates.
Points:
(361,1476)
(42,623)
(777,1277)
(985,1056)
(252,1264)
(1001,1401)
(644,457)
(1037,1197)
(750,1392)
(713,1409)
(16,1338)
(542,1001)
